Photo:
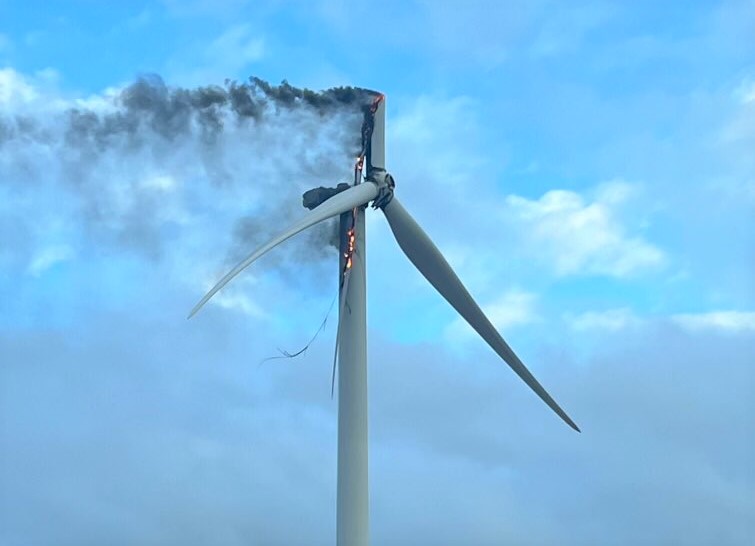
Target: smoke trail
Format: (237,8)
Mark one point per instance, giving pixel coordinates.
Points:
(137,168)
(170,112)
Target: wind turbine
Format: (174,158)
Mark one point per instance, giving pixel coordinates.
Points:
(352,510)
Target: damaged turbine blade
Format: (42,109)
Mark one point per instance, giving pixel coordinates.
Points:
(355,196)
(341,309)
(430,262)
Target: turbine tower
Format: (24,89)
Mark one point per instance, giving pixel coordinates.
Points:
(349,203)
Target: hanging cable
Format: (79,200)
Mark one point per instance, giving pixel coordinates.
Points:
(286,354)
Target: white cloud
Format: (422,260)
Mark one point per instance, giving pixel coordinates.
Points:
(227,56)
(734,140)
(48,257)
(238,43)
(160,183)
(39,93)
(99,103)
(514,308)
(239,302)
(235,296)
(740,128)
(434,167)
(15,89)
(729,321)
(611,320)
(432,124)
(578,236)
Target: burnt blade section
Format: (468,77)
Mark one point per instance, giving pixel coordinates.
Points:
(316,196)
(368,126)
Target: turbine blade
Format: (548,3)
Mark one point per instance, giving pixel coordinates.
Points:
(430,262)
(346,200)
(344,289)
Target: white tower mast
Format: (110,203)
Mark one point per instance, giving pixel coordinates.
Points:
(352,511)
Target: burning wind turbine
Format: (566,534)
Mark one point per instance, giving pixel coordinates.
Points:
(349,202)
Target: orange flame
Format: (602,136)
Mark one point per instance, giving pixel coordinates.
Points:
(351,247)
(375,103)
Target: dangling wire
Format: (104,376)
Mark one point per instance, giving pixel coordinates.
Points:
(286,354)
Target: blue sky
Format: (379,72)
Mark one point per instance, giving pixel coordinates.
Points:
(588,171)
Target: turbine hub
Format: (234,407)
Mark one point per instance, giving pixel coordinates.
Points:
(385,184)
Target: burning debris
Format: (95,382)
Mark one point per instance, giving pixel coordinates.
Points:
(350,248)
(316,196)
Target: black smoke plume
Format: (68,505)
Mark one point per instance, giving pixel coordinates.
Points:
(139,166)
(170,111)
